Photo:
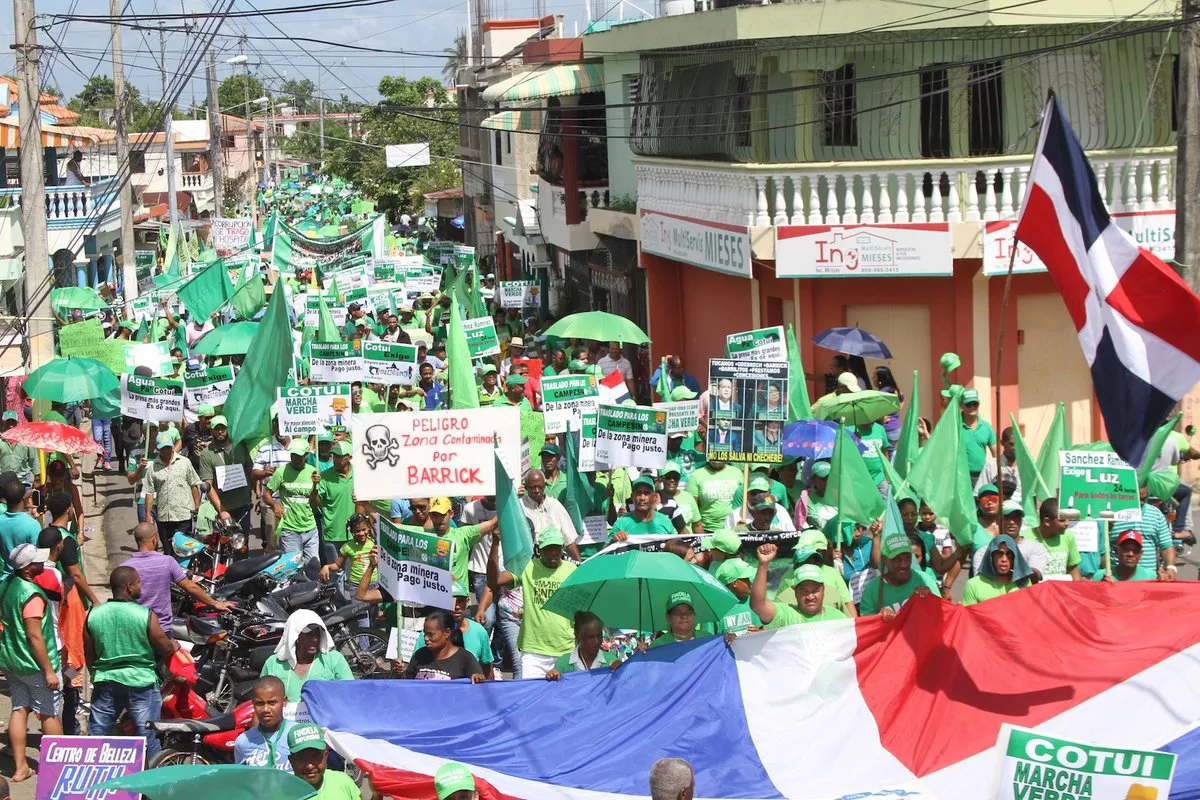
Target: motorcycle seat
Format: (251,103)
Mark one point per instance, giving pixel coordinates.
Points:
(221,722)
(298,596)
(350,611)
(240,570)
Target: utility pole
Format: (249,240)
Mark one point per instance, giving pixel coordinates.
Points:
(1187,178)
(39,331)
(251,169)
(267,141)
(172,204)
(215,139)
(124,184)
(321,111)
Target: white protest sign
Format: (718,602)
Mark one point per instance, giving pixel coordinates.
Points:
(230,476)
(631,436)
(595,530)
(151,399)
(314,409)
(207,386)
(763,344)
(390,363)
(683,416)
(335,362)
(565,398)
(414,567)
(587,441)
(518,294)
(230,234)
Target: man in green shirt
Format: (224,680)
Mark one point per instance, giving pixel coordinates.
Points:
(714,486)
(978,436)
(230,486)
(556,479)
(643,519)
(120,639)
(464,537)
(885,594)
(336,495)
(309,757)
(294,496)
(809,589)
(736,575)
(1059,542)
(17,458)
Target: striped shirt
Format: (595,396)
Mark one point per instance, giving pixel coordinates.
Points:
(1155,531)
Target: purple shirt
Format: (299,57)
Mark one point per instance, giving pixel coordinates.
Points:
(158,572)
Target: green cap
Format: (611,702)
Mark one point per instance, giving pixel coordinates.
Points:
(643,480)
(324,437)
(164,440)
(10,415)
(342,448)
(1012,507)
(515,380)
(759,485)
(205,410)
(788,461)
(670,468)
(219,420)
(760,466)
(732,569)
(803,552)
(762,505)
(487,369)
(305,736)
(987,488)
(970,396)
(820,469)
(726,540)
(551,537)
(458,590)
(678,599)
(452,777)
(894,544)
(682,393)
(808,572)
(299,446)
(551,448)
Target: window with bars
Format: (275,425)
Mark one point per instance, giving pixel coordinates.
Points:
(985,130)
(633,90)
(839,107)
(742,111)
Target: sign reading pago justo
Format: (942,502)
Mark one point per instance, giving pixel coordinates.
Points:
(69,766)
(151,399)
(631,436)
(414,567)
(314,409)
(331,362)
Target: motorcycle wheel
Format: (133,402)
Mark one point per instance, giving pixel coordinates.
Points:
(225,701)
(366,662)
(174,758)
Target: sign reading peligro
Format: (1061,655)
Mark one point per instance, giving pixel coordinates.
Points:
(854,251)
(711,245)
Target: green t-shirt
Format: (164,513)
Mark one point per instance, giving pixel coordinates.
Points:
(876,442)
(894,596)
(687,504)
(557,488)
(211,458)
(293,486)
(714,493)
(789,615)
(976,442)
(739,618)
(464,539)
(778,491)
(658,525)
(336,492)
(1064,553)
(337,786)
(357,558)
(543,632)
(1140,573)
(982,588)
(837,593)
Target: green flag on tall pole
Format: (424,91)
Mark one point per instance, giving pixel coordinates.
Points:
(268,359)
(463,392)
(1154,448)
(1057,440)
(577,498)
(1033,488)
(909,442)
(327,329)
(171,257)
(515,537)
(478,307)
(664,382)
(208,291)
(249,297)
(850,487)
(940,475)
(799,406)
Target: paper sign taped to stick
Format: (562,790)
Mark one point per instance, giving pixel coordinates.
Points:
(230,476)
(631,436)
(151,399)
(414,567)
(313,410)
(390,363)
(335,362)
(565,398)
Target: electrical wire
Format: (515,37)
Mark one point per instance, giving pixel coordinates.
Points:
(106,19)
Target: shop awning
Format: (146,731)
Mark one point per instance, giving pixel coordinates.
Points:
(52,136)
(549,81)
(525,120)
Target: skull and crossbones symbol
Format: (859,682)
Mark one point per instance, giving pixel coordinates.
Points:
(380,446)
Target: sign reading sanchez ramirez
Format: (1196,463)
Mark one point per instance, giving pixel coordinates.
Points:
(850,251)
(711,245)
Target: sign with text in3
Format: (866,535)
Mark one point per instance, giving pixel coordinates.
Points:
(151,399)
(711,245)
(333,362)
(519,294)
(231,234)
(853,251)
(1152,230)
(429,454)
(414,567)
(764,344)
(1034,765)
(631,436)
(314,409)
(390,363)
(69,766)
(683,416)
(1099,485)
(565,398)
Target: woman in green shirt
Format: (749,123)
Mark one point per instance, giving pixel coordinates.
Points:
(306,653)
(588,654)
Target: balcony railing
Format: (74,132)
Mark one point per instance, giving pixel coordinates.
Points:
(197,180)
(67,202)
(589,197)
(847,193)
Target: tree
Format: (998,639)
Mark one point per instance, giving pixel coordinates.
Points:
(231,94)
(99,95)
(50,88)
(456,59)
(301,95)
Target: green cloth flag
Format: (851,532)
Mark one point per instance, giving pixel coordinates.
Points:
(1154,448)
(940,477)
(1033,488)
(908,445)
(327,329)
(478,306)
(850,488)
(249,297)
(208,291)
(892,521)
(463,393)
(799,406)
(900,487)
(664,383)
(515,537)
(578,498)
(171,258)
(249,403)
(1057,440)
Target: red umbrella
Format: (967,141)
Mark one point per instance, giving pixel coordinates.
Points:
(52,436)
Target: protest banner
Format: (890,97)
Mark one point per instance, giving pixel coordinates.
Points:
(144,262)
(440,252)
(229,235)
(422,280)
(390,363)
(347,279)
(291,249)
(151,399)
(518,294)
(357,296)
(683,416)
(418,336)
(433,453)
(565,398)
(587,440)
(763,344)
(1099,485)
(1034,765)
(85,335)
(651,543)
(630,436)
(748,410)
(207,386)
(334,362)
(313,410)
(481,337)
(464,256)
(414,567)
(312,310)
(383,270)
(69,766)
(595,530)
(155,356)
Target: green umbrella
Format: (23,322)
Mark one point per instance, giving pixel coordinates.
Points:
(201,781)
(70,298)
(71,380)
(227,340)
(630,589)
(598,325)
(857,408)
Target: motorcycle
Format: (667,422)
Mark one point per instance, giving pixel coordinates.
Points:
(245,582)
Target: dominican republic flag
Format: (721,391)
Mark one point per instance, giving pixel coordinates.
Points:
(1138,322)
(846,709)
(613,390)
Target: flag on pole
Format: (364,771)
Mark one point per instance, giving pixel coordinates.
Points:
(799,406)
(850,487)
(1155,448)
(909,442)
(940,476)
(463,392)
(171,256)
(664,383)
(1033,488)
(249,297)
(1138,322)
(327,329)
(207,292)
(578,498)
(269,357)
(516,540)
(1057,440)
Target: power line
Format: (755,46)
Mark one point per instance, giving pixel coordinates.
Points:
(106,19)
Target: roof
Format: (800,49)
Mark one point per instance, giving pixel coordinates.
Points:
(52,136)
(154,213)
(548,81)
(182,199)
(229,122)
(530,224)
(62,114)
(444,194)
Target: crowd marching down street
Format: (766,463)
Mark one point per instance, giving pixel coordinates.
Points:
(358,459)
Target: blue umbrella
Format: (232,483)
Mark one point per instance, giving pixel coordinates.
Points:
(457,221)
(813,438)
(852,341)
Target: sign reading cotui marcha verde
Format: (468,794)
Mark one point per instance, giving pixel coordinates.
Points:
(1035,766)
(631,436)
(151,399)
(1099,485)
(481,337)
(313,409)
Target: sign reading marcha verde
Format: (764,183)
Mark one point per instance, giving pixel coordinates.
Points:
(565,398)
(1098,484)
(764,344)
(519,294)
(151,399)
(683,416)
(481,337)
(390,363)
(331,362)
(414,567)
(631,436)
(207,386)
(1038,767)
(313,409)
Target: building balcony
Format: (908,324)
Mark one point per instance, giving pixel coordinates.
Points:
(71,206)
(558,228)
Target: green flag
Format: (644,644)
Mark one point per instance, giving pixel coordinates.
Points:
(664,383)
(463,393)
(171,257)
(515,537)
(909,443)
(327,329)
(1057,440)
(208,291)
(799,406)
(940,477)
(1033,488)
(900,487)
(478,307)
(578,498)
(268,359)
(850,488)
(249,297)
(1154,448)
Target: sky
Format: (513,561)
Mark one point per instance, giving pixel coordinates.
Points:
(79,49)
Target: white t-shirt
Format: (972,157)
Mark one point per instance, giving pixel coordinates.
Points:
(609,365)
(473,514)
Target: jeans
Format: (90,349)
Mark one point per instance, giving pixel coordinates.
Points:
(305,542)
(102,434)
(509,629)
(1183,514)
(478,582)
(109,699)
